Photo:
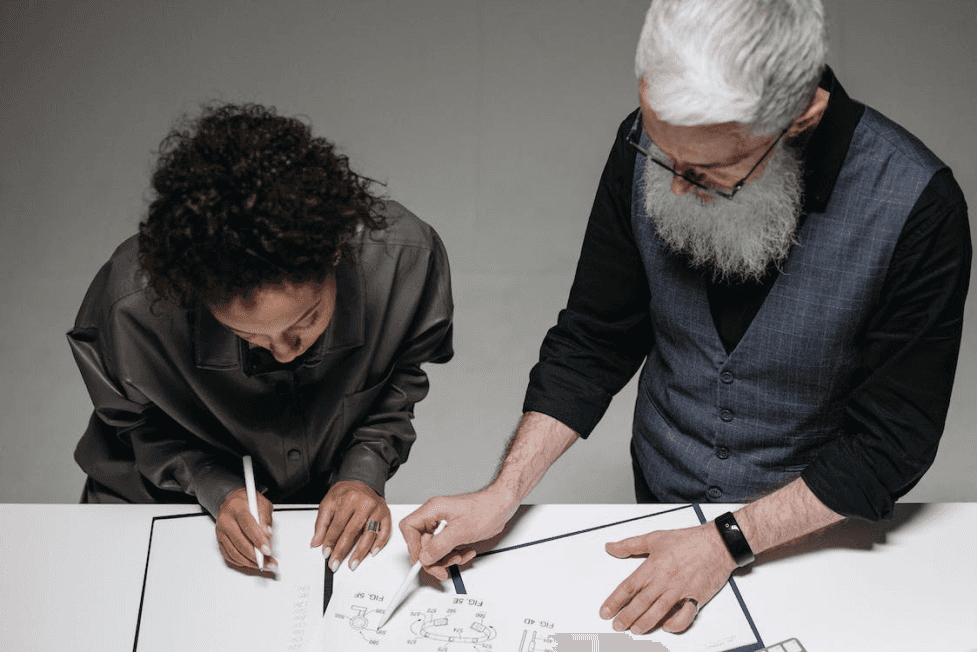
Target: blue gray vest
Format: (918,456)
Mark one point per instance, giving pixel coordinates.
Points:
(715,427)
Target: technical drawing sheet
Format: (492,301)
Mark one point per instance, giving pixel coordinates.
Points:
(193,601)
(430,621)
(547,574)
(541,578)
(570,572)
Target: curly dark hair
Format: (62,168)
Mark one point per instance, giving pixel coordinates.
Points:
(245,198)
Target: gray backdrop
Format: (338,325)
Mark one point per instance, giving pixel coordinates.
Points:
(490,120)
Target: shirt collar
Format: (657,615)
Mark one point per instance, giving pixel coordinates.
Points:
(827,147)
(216,347)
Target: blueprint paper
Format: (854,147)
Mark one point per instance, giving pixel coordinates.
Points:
(193,601)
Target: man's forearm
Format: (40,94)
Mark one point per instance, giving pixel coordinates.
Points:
(538,442)
(785,515)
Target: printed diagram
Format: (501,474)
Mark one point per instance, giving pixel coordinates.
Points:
(430,625)
(429,622)
(359,620)
(364,621)
(533,641)
(443,629)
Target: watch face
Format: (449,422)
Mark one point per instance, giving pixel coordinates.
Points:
(735,542)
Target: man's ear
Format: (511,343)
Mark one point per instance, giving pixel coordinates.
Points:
(812,115)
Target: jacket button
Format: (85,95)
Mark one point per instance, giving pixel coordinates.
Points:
(726,415)
(294,455)
(715,493)
(726,377)
(722,453)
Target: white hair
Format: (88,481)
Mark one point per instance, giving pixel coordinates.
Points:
(756,62)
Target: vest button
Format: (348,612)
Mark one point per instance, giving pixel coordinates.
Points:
(722,453)
(726,415)
(294,454)
(726,377)
(715,493)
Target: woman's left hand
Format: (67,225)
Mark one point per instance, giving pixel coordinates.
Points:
(342,523)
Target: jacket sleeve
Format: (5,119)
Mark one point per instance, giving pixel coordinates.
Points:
(895,415)
(136,449)
(381,432)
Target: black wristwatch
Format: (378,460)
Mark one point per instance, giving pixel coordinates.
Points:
(735,542)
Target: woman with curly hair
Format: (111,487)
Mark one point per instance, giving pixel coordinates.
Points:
(269,306)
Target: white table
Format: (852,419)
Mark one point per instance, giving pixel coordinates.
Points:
(71,577)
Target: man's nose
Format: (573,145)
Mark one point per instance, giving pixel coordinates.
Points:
(681,185)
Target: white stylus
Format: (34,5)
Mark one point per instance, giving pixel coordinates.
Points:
(406,584)
(253,503)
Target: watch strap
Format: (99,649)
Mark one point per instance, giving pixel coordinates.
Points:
(735,542)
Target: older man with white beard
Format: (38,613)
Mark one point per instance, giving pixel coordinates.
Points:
(791,268)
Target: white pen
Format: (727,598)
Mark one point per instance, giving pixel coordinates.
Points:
(411,574)
(253,503)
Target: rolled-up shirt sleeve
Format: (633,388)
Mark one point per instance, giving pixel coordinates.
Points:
(604,333)
(897,410)
(381,430)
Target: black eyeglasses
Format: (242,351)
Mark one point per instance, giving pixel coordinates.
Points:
(634,138)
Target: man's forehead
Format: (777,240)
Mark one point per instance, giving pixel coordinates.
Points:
(713,132)
(704,145)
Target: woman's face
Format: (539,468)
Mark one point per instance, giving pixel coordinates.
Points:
(286,319)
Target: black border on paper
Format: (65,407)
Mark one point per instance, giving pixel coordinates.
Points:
(752,647)
(326,580)
(455,573)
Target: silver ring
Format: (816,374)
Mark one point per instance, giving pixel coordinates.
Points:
(372,526)
(695,603)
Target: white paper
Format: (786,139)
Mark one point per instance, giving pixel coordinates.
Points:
(573,576)
(528,595)
(193,601)
(517,600)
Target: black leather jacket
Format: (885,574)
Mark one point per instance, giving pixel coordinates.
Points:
(179,398)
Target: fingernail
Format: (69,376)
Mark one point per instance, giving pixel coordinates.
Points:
(335,566)
(356,562)
(268,529)
(266,550)
(618,626)
(605,612)
(325,552)
(374,551)
(272,567)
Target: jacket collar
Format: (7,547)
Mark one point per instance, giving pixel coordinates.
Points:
(215,347)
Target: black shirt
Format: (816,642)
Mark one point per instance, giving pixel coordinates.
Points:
(897,408)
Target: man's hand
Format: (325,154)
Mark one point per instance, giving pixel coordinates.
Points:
(238,534)
(471,518)
(689,563)
(341,522)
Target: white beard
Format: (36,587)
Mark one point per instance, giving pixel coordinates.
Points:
(737,239)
